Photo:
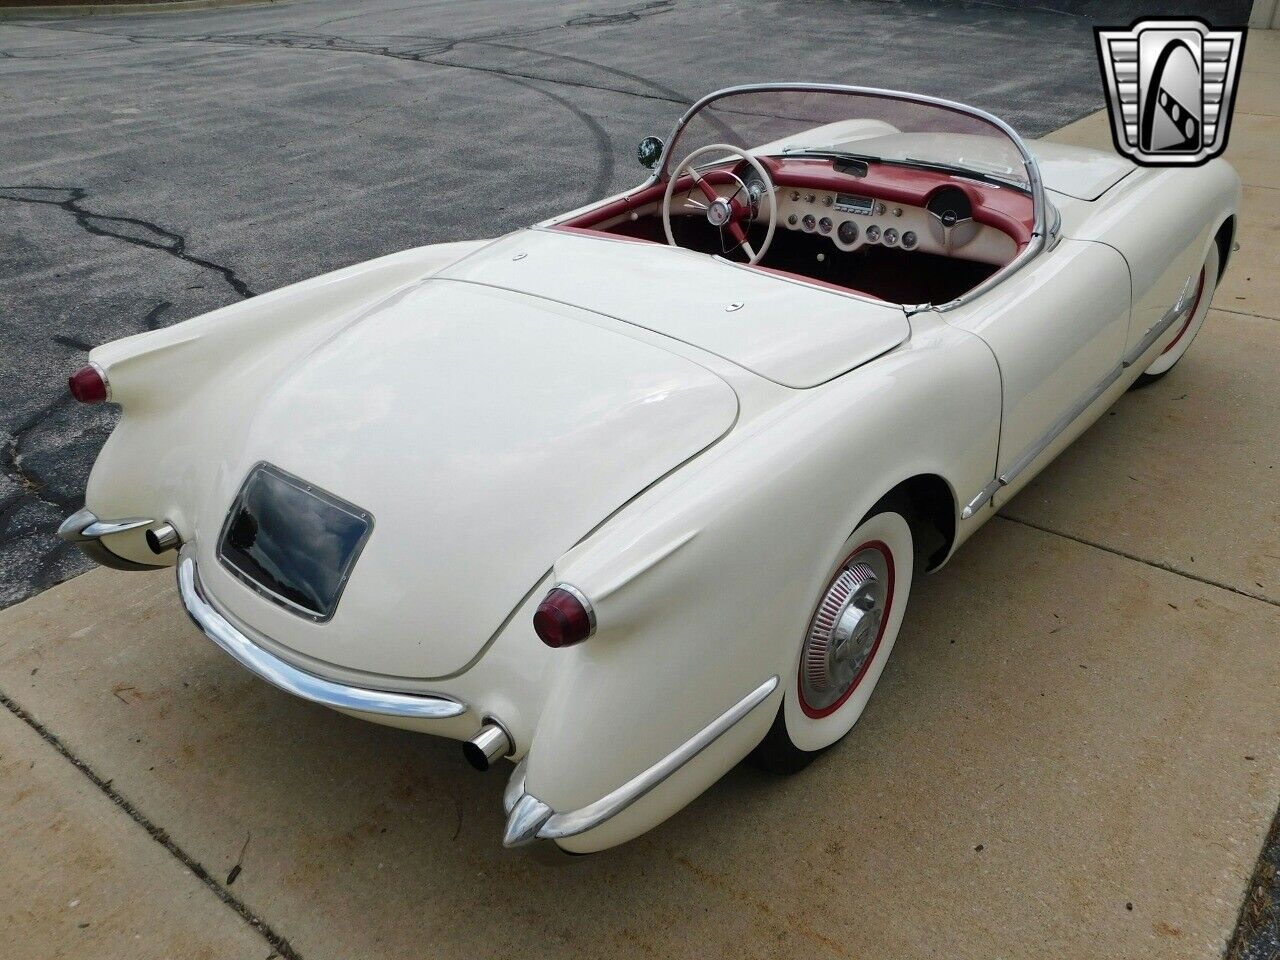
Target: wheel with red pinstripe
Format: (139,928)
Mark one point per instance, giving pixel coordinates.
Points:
(850,635)
(1187,330)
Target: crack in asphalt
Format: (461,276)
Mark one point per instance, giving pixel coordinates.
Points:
(75,343)
(153,236)
(157,833)
(29,483)
(152,320)
(131,230)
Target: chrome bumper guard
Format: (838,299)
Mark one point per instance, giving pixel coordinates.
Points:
(529,819)
(85,530)
(290,679)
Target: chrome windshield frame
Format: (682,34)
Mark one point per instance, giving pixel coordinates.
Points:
(1044,225)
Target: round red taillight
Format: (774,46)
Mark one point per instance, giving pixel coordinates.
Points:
(88,385)
(564,617)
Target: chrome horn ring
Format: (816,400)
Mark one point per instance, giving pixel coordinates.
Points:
(845,631)
(714,210)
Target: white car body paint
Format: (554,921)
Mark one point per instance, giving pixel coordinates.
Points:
(691,470)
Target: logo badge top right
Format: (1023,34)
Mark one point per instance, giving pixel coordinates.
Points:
(1171,86)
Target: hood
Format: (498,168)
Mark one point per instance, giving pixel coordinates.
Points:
(485,433)
(1079,172)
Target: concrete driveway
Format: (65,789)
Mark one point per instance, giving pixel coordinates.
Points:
(1075,750)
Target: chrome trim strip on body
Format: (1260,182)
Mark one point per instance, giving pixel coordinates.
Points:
(530,818)
(1033,450)
(1164,323)
(289,678)
(981,498)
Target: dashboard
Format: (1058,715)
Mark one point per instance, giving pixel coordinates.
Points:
(882,210)
(944,224)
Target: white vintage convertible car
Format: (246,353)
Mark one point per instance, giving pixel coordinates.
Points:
(641,490)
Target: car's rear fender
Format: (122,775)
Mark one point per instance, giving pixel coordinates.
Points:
(185,390)
(702,591)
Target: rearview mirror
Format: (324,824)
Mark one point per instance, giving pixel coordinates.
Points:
(649,152)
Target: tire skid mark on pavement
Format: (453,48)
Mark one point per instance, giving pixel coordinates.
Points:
(430,47)
(606,162)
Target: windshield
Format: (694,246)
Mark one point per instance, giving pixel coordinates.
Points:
(862,126)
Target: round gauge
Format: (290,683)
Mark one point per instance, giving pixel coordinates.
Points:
(848,232)
(825,224)
(873,234)
(755,190)
(891,236)
(795,194)
(809,221)
(827,201)
(811,198)
(909,239)
(793,220)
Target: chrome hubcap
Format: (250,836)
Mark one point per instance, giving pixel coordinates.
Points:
(844,630)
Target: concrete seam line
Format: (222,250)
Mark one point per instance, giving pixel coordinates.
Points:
(1244,313)
(157,833)
(1159,565)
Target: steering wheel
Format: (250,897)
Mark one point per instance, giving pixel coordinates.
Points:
(724,213)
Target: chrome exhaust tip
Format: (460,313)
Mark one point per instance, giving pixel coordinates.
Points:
(487,746)
(163,538)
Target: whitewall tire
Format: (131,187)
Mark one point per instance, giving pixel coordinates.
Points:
(1177,347)
(851,632)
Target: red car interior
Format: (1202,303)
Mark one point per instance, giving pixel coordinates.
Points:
(875,269)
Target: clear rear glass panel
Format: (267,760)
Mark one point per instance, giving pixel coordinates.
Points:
(872,127)
(292,542)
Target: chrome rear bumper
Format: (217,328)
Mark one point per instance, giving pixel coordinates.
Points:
(290,679)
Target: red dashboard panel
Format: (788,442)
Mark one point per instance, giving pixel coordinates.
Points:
(1003,208)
